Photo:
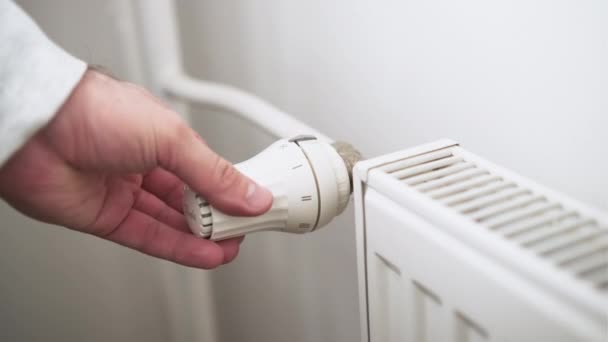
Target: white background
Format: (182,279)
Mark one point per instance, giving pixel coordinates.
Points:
(522,83)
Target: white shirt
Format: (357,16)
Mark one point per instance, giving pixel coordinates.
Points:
(36,77)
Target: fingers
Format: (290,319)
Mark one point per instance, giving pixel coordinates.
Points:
(147,235)
(159,210)
(165,186)
(182,153)
(231,249)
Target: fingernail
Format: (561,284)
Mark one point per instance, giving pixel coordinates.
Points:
(257,197)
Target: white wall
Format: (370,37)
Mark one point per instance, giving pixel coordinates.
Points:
(523,83)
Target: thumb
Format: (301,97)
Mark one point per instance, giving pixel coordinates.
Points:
(182,152)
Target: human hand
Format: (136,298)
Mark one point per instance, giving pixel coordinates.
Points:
(113,163)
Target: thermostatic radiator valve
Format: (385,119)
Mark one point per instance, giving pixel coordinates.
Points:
(310,180)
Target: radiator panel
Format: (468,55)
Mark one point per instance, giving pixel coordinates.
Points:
(454,248)
(425,286)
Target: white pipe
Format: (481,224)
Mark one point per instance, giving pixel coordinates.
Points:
(158,40)
(160,44)
(241,103)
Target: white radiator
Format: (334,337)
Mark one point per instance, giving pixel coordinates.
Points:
(454,248)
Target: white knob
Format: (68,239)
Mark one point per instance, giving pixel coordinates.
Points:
(309,181)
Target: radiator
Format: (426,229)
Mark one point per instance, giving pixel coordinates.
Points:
(454,248)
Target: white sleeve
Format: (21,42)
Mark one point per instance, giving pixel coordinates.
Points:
(36,77)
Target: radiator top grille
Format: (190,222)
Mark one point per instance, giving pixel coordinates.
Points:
(570,240)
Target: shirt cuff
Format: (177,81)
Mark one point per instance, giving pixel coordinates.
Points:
(36,78)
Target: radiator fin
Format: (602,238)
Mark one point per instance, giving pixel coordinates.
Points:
(568,239)
(428,312)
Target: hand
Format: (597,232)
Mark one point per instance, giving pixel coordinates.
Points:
(113,163)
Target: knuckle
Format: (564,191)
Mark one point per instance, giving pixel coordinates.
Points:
(169,143)
(225,175)
(162,214)
(176,253)
(180,130)
(150,238)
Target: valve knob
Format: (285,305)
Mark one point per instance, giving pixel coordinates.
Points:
(310,183)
